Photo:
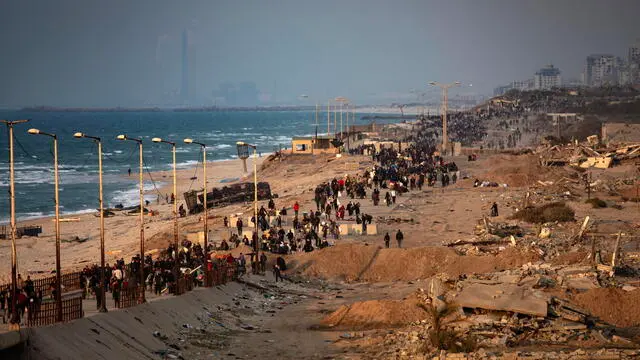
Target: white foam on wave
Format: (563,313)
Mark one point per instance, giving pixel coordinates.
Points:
(222,146)
(131,196)
(186,164)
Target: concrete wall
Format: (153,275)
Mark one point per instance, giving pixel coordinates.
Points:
(127,333)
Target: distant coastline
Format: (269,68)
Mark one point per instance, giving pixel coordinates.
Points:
(163,109)
(366,112)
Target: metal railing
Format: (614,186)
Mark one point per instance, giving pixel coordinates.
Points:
(70,282)
(128,297)
(45,313)
(42,313)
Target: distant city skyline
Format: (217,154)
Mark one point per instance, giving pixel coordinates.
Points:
(166,53)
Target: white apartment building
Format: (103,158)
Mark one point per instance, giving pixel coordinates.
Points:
(546,78)
(602,69)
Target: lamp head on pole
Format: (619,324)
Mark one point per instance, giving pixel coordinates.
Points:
(33,131)
(457,83)
(78,135)
(156,140)
(188,141)
(433,83)
(243,150)
(121,137)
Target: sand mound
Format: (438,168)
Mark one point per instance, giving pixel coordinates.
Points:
(515,170)
(358,262)
(376,314)
(614,306)
(342,262)
(424,262)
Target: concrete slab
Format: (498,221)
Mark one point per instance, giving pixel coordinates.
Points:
(580,283)
(503,297)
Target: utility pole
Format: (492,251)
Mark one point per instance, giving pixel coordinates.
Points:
(328,117)
(14,323)
(445,109)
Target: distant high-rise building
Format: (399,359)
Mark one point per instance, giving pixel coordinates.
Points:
(601,69)
(633,63)
(547,78)
(523,85)
(247,94)
(188,85)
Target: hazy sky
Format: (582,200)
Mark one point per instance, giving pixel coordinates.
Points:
(117,52)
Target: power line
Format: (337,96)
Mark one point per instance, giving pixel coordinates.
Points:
(108,156)
(195,171)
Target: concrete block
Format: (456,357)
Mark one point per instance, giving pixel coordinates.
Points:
(345,229)
(372,229)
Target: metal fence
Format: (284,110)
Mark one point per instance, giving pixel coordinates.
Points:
(46,313)
(128,297)
(70,281)
(220,274)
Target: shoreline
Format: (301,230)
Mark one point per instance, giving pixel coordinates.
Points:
(162,178)
(80,233)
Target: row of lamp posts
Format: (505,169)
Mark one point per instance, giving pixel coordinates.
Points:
(242,148)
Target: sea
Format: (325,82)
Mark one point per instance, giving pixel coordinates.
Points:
(78,160)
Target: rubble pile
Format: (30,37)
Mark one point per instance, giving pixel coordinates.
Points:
(586,157)
(531,306)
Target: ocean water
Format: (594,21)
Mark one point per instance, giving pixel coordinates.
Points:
(78,160)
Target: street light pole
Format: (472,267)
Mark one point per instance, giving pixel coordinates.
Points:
(445,100)
(57,221)
(242,151)
(103,286)
(204,185)
(141,298)
(176,237)
(14,323)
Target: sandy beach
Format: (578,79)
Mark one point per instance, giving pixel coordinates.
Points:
(36,255)
(292,180)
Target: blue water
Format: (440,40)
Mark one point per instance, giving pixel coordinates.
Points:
(78,161)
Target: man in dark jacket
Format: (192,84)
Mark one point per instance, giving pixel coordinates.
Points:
(399,238)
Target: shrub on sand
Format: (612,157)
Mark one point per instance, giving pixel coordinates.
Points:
(596,203)
(552,212)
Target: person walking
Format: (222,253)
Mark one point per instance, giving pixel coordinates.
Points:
(399,238)
(494,210)
(239,226)
(276,272)
(263,262)
(296,208)
(387,240)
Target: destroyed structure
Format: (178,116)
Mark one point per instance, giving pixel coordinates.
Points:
(235,193)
